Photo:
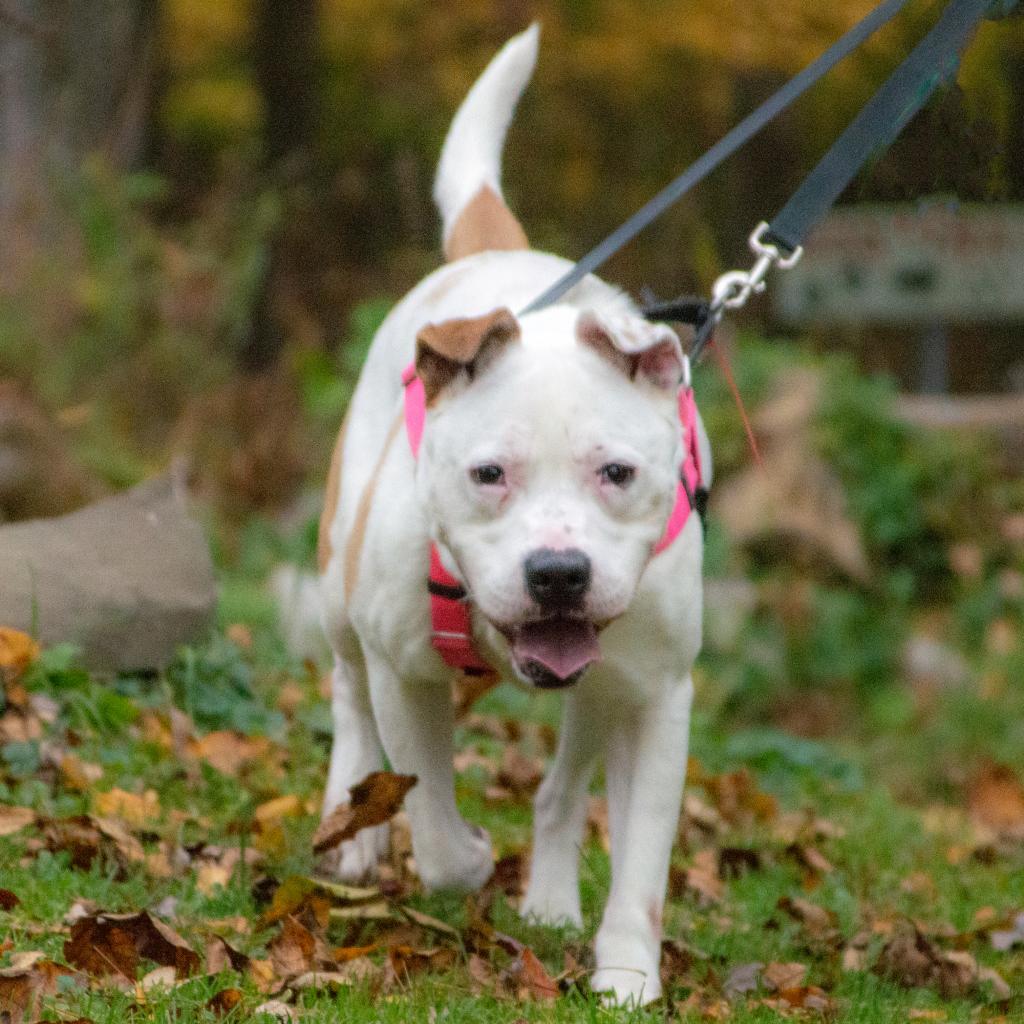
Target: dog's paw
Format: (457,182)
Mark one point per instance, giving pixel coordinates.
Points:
(456,864)
(557,908)
(356,859)
(623,986)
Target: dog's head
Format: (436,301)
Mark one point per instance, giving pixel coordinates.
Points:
(549,466)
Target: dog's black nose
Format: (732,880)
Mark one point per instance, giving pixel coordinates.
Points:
(557,579)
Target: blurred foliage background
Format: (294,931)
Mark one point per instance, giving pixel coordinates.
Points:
(207,206)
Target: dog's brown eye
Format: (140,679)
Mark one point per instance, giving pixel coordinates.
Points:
(618,473)
(488,475)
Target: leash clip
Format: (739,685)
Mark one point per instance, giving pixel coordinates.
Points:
(734,288)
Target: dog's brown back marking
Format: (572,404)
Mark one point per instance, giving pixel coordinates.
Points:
(354,544)
(485,223)
(332,495)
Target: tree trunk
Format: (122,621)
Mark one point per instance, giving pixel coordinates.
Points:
(76,78)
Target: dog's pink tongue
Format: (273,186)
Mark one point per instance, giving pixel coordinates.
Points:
(562,646)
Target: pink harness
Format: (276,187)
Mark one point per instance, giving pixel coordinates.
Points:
(452,635)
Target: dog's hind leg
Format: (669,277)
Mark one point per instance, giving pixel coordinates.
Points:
(560,814)
(355,753)
(415,719)
(646,766)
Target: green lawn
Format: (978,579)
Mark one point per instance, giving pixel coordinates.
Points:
(856,858)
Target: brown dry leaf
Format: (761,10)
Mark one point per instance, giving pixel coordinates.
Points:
(277,1009)
(220,955)
(521,774)
(912,960)
(224,1001)
(373,801)
(17,651)
(528,979)
(820,924)
(405,962)
(229,752)
(482,977)
(803,997)
(78,775)
(87,837)
(288,806)
(14,819)
(104,944)
(357,971)
(995,799)
(467,690)
(301,898)
(131,808)
(296,950)
(703,1005)
(777,977)
(29,979)
(8,900)
(702,879)
(508,875)
(741,980)
(737,797)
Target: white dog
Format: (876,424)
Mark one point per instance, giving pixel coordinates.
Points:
(545,506)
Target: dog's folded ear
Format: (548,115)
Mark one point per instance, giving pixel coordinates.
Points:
(453,347)
(642,350)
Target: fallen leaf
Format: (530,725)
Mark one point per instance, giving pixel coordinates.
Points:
(777,977)
(734,861)
(912,960)
(17,651)
(373,801)
(88,837)
(103,944)
(521,774)
(131,808)
(8,900)
(278,1010)
(229,752)
(224,1001)
(14,819)
(296,950)
(527,977)
(702,880)
(405,962)
(358,971)
(30,978)
(995,799)
(220,955)
(737,798)
(288,806)
(820,924)
(741,980)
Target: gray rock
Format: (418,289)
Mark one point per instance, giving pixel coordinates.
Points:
(127,580)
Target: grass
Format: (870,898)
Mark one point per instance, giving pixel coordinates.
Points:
(891,860)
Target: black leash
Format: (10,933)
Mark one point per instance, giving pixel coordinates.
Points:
(720,151)
(932,62)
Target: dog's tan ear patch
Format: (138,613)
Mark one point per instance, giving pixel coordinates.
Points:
(640,349)
(485,224)
(449,348)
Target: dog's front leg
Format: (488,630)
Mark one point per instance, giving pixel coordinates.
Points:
(560,813)
(415,722)
(646,766)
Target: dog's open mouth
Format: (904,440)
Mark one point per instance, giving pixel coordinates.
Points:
(553,653)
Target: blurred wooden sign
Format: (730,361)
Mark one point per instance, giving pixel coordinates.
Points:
(909,264)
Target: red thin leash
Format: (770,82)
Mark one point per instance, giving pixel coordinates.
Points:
(723,365)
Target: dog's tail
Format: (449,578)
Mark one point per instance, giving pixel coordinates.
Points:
(467,188)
